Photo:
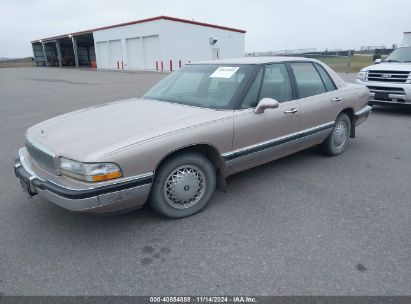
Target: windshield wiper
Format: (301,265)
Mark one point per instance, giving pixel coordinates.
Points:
(392,60)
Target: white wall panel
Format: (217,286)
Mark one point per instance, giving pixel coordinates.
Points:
(135,53)
(407,38)
(187,42)
(115,54)
(102,55)
(151,52)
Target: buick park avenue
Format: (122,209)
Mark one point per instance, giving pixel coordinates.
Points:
(176,144)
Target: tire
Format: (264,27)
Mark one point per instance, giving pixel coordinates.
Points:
(183,185)
(337,141)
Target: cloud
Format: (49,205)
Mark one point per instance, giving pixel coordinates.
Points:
(270,25)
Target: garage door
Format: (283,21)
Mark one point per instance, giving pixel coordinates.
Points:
(151,52)
(102,53)
(115,54)
(135,57)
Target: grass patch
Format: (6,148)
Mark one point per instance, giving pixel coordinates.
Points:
(351,64)
(17,63)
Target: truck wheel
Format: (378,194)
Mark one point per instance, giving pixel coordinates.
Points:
(337,141)
(183,185)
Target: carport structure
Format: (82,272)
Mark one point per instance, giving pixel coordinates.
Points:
(75,50)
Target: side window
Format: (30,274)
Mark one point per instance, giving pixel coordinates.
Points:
(308,80)
(276,83)
(329,83)
(251,98)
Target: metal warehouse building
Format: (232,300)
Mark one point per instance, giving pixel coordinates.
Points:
(159,43)
(407,38)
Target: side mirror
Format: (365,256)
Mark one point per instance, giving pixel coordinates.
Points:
(377,61)
(266,103)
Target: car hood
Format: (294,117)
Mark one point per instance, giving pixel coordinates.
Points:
(389,66)
(93,132)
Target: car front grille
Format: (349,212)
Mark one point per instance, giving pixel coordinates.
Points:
(374,89)
(388,76)
(43,158)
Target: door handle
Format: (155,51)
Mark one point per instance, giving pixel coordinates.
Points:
(293,110)
(336,99)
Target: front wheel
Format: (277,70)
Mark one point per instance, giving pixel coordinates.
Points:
(337,141)
(183,185)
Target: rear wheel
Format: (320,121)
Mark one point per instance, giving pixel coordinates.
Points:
(337,141)
(183,185)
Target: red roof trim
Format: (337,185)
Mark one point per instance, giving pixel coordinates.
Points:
(143,21)
(202,24)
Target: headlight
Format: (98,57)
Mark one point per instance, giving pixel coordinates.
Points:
(91,172)
(362,75)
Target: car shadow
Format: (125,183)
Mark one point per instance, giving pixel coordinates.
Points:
(394,109)
(277,165)
(89,223)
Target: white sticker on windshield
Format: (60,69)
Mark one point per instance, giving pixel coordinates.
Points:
(224,72)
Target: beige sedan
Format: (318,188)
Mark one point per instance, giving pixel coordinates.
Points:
(197,126)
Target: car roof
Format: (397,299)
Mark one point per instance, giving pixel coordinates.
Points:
(254,60)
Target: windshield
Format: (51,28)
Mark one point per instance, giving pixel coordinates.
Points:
(400,55)
(209,86)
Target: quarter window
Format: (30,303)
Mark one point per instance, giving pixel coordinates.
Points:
(308,80)
(329,83)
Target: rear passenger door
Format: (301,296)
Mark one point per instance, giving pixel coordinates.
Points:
(317,95)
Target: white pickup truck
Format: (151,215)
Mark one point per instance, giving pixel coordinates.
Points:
(389,81)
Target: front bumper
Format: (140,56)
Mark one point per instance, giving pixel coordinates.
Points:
(120,195)
(388,93)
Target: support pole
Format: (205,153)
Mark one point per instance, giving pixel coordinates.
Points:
(44,54)
(75,51)
(88,56)
(59,53)
(36,60)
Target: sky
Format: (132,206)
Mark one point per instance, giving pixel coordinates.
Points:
(270,25)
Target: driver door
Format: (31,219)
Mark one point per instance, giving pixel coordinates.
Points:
(259,138)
